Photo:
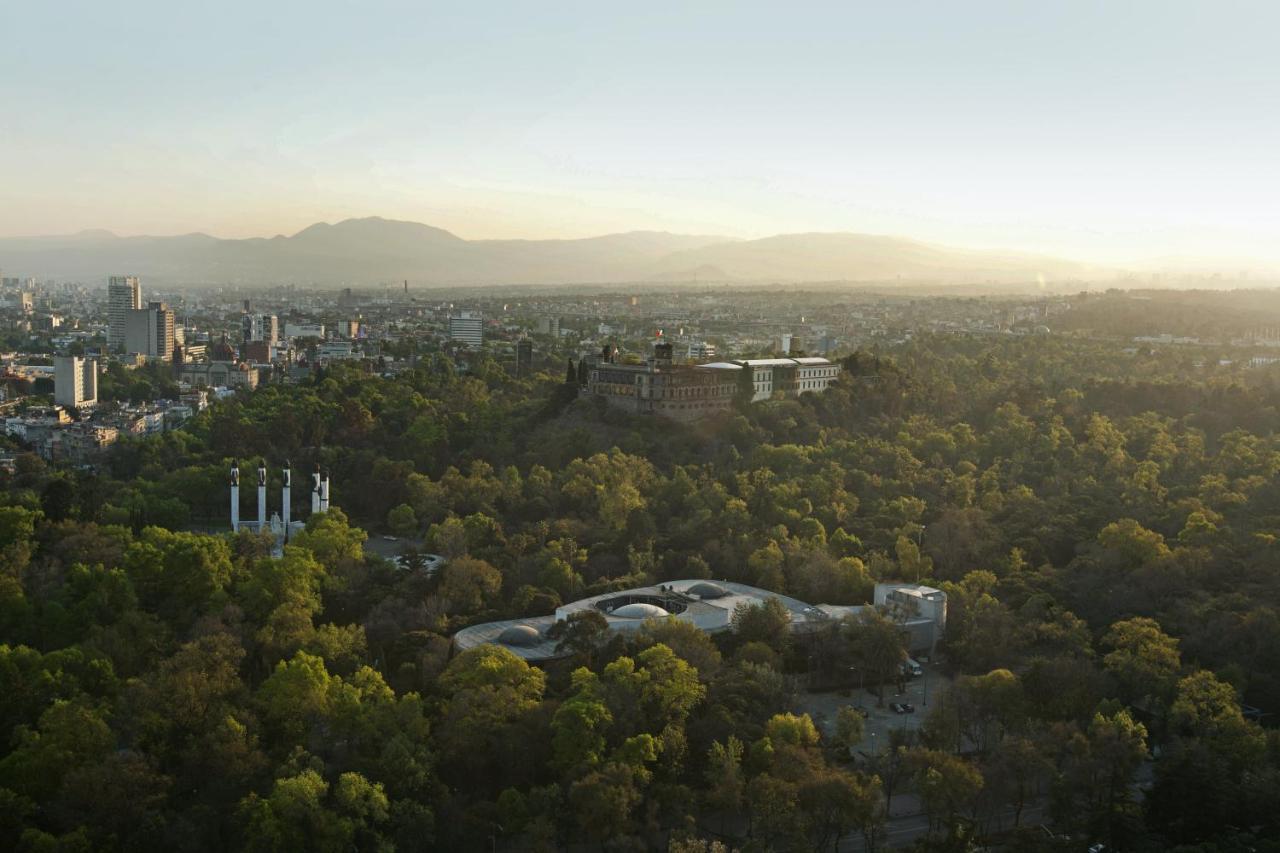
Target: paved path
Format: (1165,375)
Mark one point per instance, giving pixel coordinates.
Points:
(906,829)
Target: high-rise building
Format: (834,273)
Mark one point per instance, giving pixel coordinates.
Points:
(262,327)
(524,357)
(124,294)
(75,381)
(149,331)
(467,328)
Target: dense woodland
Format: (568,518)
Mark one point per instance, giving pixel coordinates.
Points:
(1104,523)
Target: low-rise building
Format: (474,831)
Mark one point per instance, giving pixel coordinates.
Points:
(709,606)
(705,604)
(81,442)
(219,374)
(784,377)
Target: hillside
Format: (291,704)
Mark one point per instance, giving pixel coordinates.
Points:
(373,250)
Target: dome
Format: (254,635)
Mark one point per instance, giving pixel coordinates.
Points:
(707,590)
(640,610)
(520,635)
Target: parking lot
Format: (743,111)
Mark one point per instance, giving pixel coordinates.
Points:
(921,692)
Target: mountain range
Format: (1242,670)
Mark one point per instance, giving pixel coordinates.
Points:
(374,250)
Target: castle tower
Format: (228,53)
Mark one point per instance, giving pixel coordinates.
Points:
(324,493)
(315,490)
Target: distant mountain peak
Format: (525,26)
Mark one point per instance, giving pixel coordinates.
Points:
(373,250)
(371,226)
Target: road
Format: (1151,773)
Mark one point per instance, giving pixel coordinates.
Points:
(906,829)
(388,548)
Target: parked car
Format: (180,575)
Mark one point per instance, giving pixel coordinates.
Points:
(897,708)
(908,708)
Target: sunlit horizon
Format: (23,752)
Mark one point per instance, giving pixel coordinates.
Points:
(1129,135)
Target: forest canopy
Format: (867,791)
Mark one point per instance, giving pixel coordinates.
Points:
(1103,522)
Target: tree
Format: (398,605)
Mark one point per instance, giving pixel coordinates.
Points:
(1016,770)
(687,640)
(69,735)
(978,711)
(1117,746)
(605,801)
(948,786)
(876,646)
(767,622)
(58,499)
(580,634)
(468,584)
(835,803)
(488,691)
(579,724)
(849,730)
(724,776)
(295,696)
(402,520)
(1144,661)
(294,816)
(775,813)
(331,538)
(671,687)
(1207,709)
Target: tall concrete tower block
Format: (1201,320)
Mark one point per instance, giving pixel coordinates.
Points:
(286,498)
(262,496)
(235,496)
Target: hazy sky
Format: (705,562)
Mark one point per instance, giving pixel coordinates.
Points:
(1102,130)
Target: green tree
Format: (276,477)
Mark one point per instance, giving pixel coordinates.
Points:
(402,521)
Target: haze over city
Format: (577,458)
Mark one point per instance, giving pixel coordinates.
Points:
(1131,134)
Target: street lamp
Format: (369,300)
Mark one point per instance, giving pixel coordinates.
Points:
(859,671)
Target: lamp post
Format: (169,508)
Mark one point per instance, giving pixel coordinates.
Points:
(859,671)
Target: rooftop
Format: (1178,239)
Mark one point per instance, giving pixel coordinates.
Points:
(707,604)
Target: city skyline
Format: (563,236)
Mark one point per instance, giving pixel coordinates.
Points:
(1101,133)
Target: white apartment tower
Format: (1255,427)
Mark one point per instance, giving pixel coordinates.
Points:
(467,328)
(261,327)
(124,294)
(75,381)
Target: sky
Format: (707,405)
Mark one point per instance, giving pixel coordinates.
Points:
(1102,131)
